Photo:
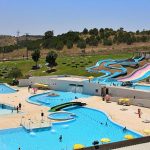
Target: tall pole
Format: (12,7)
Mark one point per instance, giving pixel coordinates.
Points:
(18,32)
(3,53)
(26,45)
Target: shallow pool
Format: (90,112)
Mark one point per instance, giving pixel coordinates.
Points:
(4,89)
(50,101)
(89,125)
(61,116)
(5,109)
(141,87)
(118,84)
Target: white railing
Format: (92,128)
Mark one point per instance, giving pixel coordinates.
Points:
(30,124)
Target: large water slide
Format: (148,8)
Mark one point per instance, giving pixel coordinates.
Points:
(121,70)
(110,64)
(138,74)
(105,72)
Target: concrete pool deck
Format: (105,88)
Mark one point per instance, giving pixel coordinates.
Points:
(126,118)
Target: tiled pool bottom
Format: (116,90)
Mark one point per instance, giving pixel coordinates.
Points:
(89,125)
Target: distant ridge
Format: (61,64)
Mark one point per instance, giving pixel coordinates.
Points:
(6,40)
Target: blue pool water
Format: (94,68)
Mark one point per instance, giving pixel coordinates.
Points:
(50,101)
(84,129)
(4,89)
(142,87)
(117,83)
(5,109)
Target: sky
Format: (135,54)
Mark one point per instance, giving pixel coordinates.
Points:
(38,16)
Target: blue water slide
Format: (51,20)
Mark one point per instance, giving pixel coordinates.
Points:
(115,74)
(101,78)
(106,73)
(121,71)
(90,69)
(139,59)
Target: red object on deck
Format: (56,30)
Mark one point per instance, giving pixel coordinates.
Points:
(139,112)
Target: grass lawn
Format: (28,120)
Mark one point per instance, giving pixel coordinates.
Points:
(66,65)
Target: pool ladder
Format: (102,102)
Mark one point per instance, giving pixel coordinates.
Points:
(30,124)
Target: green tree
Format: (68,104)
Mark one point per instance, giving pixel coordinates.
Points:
(85,31)
(51,59)
(36,56)
(59,45)
(48,34)
(93,32)
(69,44)
(14,73)
(81,44)
(93,41)
(107,42)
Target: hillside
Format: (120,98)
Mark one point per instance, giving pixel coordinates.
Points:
(6,40)
(93,41)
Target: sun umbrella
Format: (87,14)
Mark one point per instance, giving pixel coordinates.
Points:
(105,140)
(126,99)
(146,131)
(128,137)
(91,77)
(121,99)
(78,146)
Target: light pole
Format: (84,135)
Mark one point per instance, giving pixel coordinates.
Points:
(27,35)
(18,32)
(3,53)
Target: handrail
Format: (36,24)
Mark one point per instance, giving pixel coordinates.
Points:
(30,124)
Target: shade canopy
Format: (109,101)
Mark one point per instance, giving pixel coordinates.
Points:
(147,131)
(91,77)
(39,85)
(105,140)
(78,146)
(128,137)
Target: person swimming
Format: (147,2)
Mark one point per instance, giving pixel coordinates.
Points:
(60,138)
(124,129)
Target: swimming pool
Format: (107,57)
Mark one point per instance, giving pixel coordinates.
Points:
(4,89)
(141,87)
(5,109)
(89,125)
(61,116)
(50,101)
(118,84)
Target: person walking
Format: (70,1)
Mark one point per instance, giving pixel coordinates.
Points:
(42,116)
(20,106)
(17,109)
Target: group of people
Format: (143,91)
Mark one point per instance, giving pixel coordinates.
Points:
(17,108)
(34,89)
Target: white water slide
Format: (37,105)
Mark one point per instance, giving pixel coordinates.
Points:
(138,74)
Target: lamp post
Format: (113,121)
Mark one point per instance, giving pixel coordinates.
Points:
(27,45)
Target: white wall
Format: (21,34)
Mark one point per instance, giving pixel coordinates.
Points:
(90,88)
(137,102)
(142,97)
(125,92)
